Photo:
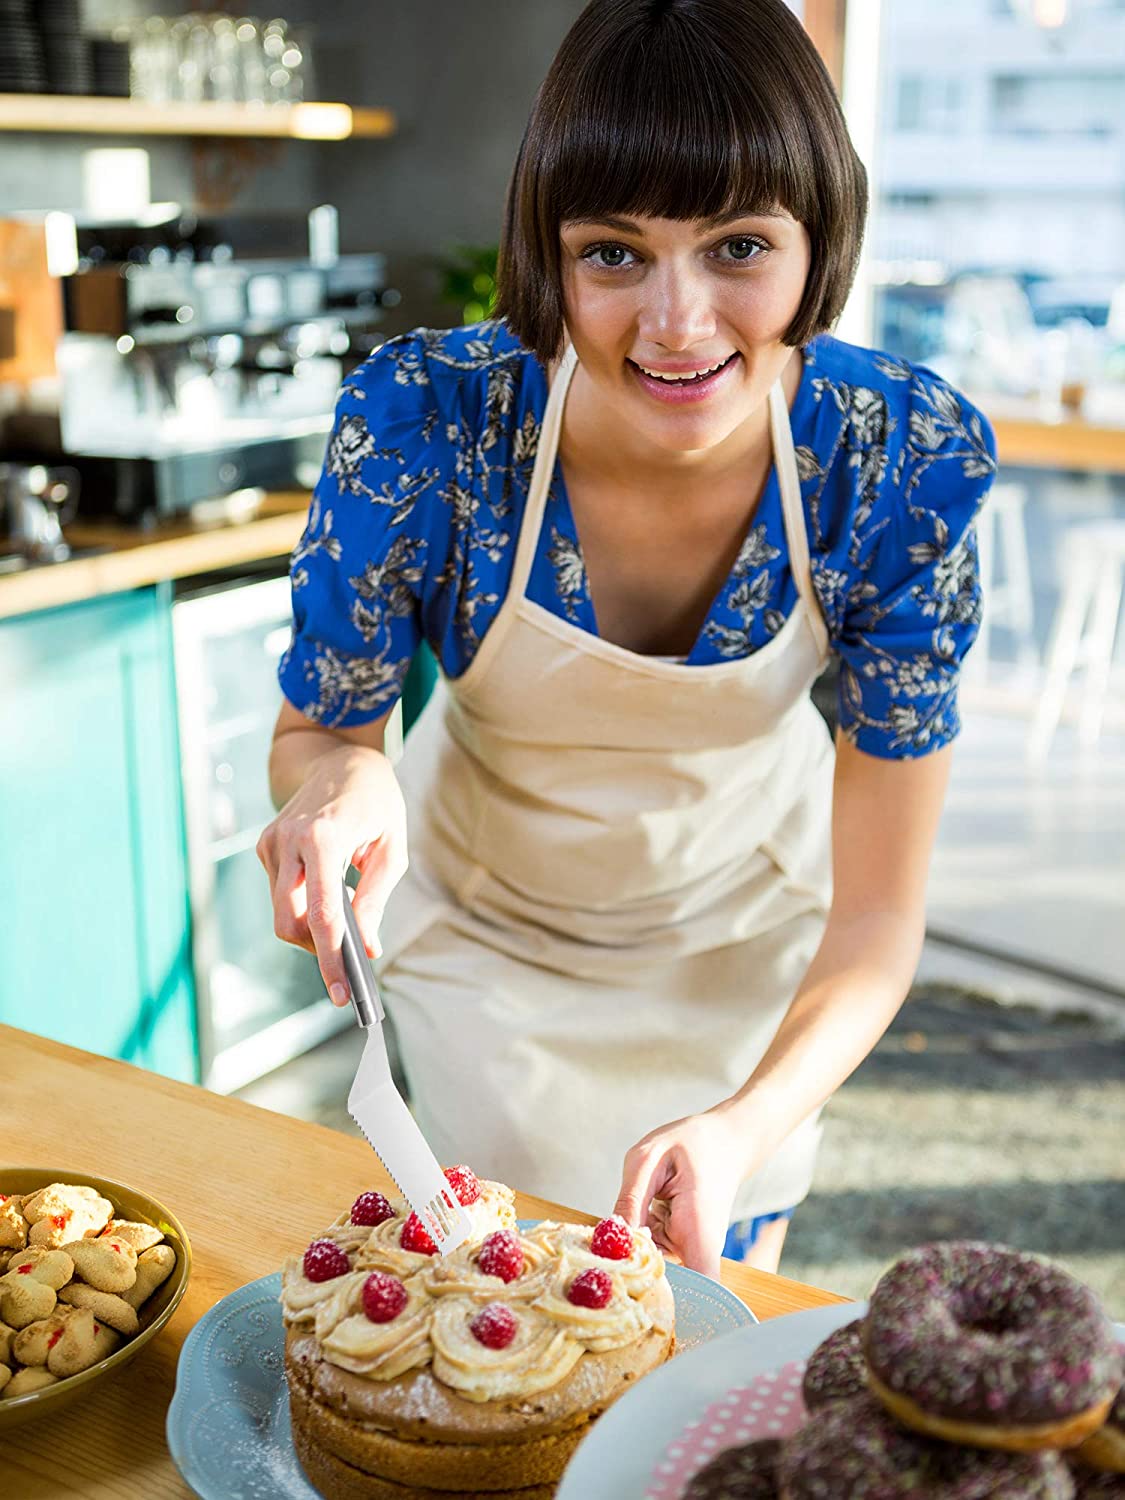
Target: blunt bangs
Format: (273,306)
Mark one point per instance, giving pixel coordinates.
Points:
(689,110)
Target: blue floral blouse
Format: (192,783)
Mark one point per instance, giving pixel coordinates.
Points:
(412,529)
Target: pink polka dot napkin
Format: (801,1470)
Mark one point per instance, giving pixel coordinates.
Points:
(770,1406)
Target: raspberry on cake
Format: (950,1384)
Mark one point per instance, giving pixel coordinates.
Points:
(371,1208)
(324,1260)
(415,1238)
(528,1269)
(591,1288)
(465,1184)
(501,1255)
(415,1373)
(384,1297)
(612,1239)
(494,1326)
(636,1268)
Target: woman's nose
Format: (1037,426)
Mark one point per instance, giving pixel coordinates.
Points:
(676,311)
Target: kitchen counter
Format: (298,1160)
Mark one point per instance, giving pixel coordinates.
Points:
(133,558)
(250,1187)
(1074,443)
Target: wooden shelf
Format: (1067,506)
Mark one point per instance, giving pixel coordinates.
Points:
(83,115)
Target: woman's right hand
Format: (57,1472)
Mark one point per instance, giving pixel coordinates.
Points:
(348,810)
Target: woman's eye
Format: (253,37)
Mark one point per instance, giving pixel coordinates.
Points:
(607,257)
(744,248)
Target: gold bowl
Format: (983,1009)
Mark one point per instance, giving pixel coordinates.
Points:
(128,1203)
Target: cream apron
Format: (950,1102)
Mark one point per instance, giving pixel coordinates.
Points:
(619,872)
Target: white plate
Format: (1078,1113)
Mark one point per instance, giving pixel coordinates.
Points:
(628,1441)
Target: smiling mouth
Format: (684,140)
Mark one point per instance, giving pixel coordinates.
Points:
(674,380)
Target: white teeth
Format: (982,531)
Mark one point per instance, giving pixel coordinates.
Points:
(686,375)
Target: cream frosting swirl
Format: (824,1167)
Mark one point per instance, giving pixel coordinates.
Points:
(460,1275)
(445,1293)
(300,1297)
(381,1351)
(640,1273)
(621,1321)
(538,1357)
(382,1251)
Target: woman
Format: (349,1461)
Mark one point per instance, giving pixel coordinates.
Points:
(651,921)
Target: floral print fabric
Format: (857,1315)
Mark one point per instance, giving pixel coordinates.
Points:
(413,525)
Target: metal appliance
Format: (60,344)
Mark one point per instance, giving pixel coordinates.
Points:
(259,1001)
(36,502)
(195,357)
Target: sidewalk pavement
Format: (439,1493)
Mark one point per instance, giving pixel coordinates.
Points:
(973,1120)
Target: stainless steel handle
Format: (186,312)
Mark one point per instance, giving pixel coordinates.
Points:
(361,981)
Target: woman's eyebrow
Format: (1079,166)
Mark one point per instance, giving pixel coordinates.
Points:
(626,226)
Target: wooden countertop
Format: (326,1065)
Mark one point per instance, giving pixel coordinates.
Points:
(1025,439)
(249,1185)
(135,558)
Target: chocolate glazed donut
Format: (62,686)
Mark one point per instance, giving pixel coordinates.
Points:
(748,1472)
(1106,1448)
(837,1368)
(1097,1484)
(979,1344)
(854,1448)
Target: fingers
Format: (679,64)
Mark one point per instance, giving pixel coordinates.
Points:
(307,897)
(381,866)
(325,917)
(638,1177)
(658,1225)
(290,903)
(697,1248)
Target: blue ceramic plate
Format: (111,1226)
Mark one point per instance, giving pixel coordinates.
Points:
(228,1424)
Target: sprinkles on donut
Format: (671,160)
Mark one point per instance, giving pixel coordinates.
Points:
(837,1368)
(854,1450)
(981,1344)
(748,1472)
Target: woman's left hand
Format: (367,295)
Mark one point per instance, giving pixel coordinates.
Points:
(680,1182)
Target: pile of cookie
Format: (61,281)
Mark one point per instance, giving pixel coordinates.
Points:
(73,1280)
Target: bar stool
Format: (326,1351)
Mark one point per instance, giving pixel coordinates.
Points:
(1083,631)
(1007,595)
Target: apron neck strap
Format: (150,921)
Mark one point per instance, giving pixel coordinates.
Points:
(793,511)
(545,452)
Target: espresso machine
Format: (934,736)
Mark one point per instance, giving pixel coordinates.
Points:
(195,358)
(36,502)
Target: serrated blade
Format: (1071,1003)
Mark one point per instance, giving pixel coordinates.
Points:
(380,1111)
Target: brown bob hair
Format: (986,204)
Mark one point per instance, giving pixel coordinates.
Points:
(681,109)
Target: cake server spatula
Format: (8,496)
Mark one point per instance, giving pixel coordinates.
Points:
(380,1111)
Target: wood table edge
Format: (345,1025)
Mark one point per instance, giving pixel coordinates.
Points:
(767,1295)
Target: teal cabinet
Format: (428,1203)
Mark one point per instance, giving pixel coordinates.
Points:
(95,943)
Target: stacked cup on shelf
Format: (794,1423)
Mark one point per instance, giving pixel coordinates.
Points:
(43,50)
(209,55)
(188,58)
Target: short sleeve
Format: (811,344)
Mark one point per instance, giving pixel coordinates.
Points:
(376,532)
(915,610)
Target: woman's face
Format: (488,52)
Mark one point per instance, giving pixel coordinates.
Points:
(675,297)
